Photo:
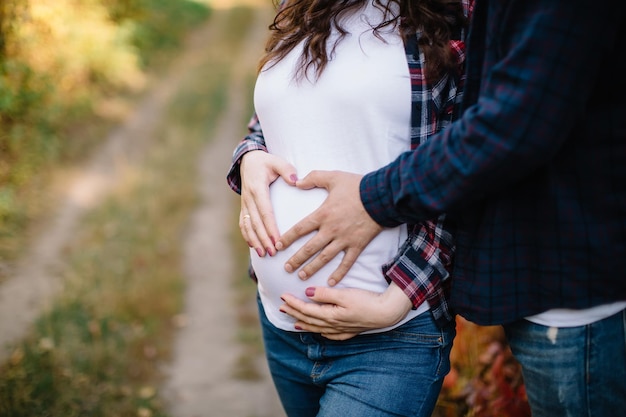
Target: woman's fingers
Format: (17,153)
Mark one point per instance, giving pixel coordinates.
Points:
(344,312)
(257,222)
(253,229)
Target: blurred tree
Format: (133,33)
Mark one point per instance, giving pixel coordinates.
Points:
(120,10)
(59,60)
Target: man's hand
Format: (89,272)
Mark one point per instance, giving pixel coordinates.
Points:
(256,219)
(342,313)
(342,223)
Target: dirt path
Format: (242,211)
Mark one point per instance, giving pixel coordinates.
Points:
(34,282)
(200,380)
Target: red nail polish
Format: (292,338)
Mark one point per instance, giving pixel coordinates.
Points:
(282,311)
(310,292)
(259,252)
(298,327)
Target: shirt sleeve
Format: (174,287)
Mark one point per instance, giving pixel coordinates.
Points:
(422,266)
(254,141)
(539,60)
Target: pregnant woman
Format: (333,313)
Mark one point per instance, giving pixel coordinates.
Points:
(350,85)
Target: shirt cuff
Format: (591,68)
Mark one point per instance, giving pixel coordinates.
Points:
(233,177)
(378,200)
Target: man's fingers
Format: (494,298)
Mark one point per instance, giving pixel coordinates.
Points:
(316,179)
(328,253)
(302,228)
(341,222)
(349,258)
(308,224)
(306,252)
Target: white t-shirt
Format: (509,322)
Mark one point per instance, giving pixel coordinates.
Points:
(355,118)
(563,317)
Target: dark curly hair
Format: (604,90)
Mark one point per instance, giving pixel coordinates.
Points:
(311,21)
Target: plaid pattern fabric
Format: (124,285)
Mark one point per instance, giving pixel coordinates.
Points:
(534,171)
(254,141)
(421,267)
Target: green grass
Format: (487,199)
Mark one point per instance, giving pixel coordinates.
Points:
(97,351)
(43,125)
(153,16)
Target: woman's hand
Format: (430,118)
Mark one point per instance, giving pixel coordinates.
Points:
(257,223)
(342,313)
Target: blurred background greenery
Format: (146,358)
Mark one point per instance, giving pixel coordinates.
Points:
(70,71)
(63,66)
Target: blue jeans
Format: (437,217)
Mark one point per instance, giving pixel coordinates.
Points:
(395,373)
(573,371)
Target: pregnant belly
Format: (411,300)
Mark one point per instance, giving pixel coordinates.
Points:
(291,205)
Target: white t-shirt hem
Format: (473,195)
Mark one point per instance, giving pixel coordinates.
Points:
(572,318)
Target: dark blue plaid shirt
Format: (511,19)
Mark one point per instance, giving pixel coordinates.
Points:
(534,172)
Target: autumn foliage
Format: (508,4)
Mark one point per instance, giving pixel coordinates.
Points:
(485,379)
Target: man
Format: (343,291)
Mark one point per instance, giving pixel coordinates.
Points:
(534,175)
